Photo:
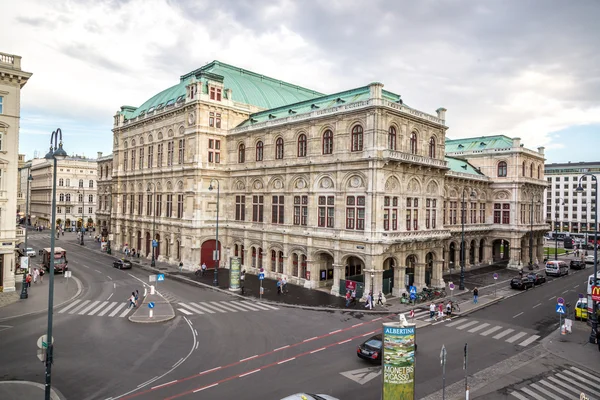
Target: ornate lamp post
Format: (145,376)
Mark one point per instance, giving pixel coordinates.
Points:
(216,253)
(24,294)
(153,205)
(594,317)
(55,153)
(461,285)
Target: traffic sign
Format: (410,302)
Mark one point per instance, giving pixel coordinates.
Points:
(261,276)
(151,305)
(160,277)
(152,278)
(443,355)
(560,300)
(560,308)
(67,274)
(596,293)
(42,342)
(413,292)
(495,276)
(451,286)
(154,243)
(580,295)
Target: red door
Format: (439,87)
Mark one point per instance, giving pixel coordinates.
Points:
(206,253)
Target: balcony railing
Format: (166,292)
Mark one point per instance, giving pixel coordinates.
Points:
(414,159)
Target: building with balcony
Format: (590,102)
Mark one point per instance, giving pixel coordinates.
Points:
(319,188)
(12,80)
(76,192)
(104,198)
(566,209)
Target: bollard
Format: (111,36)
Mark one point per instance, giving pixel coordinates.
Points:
(151,289)
(150,313)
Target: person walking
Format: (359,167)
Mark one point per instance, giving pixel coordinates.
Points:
(369,303)
(431,311)
(348,298)
(284,286)
(242,280)
(380,299)
(449,309)
(131,301)
(42,275)
(279,286)
(353,296)
(441,311)
(28,280)
(203,269)
(475,295)
(137,296)
(36,274)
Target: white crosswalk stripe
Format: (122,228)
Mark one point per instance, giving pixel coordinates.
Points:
(516,337)
(491,330)
(475,327)
(560,383)
(215,307)
(97,308)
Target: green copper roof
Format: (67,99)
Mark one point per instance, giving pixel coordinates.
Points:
(320,103)
(458,165)
(247,87)
(478,143)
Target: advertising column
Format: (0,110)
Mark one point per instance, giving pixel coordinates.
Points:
(398,361)
(234,273)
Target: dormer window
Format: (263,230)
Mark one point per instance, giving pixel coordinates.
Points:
(314,106)
(158,107)
(180,98)
(150,109)
(271,116)
(291,112)
(460,146)
(215,93)
(170,103)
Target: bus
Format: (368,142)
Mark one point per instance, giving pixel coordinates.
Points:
(590,285)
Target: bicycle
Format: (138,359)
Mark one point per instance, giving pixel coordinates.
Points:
(455,307)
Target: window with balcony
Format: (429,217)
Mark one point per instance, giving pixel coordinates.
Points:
(430,213)
(392,138)
(432,147)
(413,143)
(482,213)
(412,213)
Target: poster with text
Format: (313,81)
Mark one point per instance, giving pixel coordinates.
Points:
(398,361)
(234,273)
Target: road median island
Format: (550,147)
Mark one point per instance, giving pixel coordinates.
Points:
(161,310)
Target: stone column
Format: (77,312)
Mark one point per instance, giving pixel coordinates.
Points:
(437,276)
(467,255)
(338,273)
(314,275)
(419,276)
(515,254)
(399,278)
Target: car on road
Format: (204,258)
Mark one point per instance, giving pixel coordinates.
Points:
(122,264)
(309,396)
(581,309)
(30,252)
(589,259)
(371,349)
(557,268)
(537,278)
(577,264)
(521,283)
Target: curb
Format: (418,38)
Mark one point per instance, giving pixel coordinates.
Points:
(153,320)
(79,290)
(477,308)
(54,393)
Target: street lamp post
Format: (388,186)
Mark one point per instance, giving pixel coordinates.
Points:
(24,294)
(593,334)
(82,215)
(56,152)
(461,285)
(216,253)
(531,235)
(153,205)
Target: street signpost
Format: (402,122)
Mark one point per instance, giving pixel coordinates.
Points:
(560,309)
(154,243)
(152,278)
(495,279)
(465,368)
(160,277)
(413,293)
(67,274)
(261,277)
(150,306)
(451,287)
(443,363)
(560,300)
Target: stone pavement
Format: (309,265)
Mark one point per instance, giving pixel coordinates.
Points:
(162,311)
(37,300)
(23,390)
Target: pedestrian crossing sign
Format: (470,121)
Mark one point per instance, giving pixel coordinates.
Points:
(560,308)
(413,290)
(160,277)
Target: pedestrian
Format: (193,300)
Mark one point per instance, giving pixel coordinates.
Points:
(369,303)
(441,311)
(380,298)
(137,296)
(42,275)
(203,269)
(449,309)
(348,298)
(131,301)
(180,266)
(279,286)
(242,280)
(284,288)
(431,311)
(475,295)
(28,280)
(353,295)
(521,273)
(36,274)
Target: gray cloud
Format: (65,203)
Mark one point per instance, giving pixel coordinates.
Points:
(83,52)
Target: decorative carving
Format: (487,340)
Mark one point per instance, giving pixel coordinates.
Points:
(392,184)
(278,184)
(141,140)
(240,185)
(191,118)
(257,185)
(326,183)
(501,196)
(170,133)
(432,188)
(413,186)
(300,184)
(169,186)
(181,130)
(355,181)
(160,135)
(179,185)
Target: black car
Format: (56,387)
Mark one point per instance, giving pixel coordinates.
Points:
(537,278)
(577,264)
(372,349)
(521,283)
(122,264)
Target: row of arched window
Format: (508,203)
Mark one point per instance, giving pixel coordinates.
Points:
(327,144)
(67,182)
(503,170)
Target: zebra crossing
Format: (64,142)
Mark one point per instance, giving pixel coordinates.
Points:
(97,308)
(218,307)
(562,383)
(485,329)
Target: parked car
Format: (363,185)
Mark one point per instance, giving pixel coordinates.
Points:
(31,252)
(521,283)
(577,264)
(537,278)
(557,268)
(371,349)
(122,264)
(589,259)
(581,309)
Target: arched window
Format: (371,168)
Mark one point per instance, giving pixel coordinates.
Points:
(502,169)
(259,151)
(67,197)
(301,146)
(241,153)
(279,148)
(432,147)
(539,172)
(523,172)
(357,138)
(91,183)
(392,138)
(328,142)
(68,182)
(531,170)
(81,183)
(61,197)
(61,182)
(413,143)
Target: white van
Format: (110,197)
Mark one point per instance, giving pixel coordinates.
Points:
(557,268)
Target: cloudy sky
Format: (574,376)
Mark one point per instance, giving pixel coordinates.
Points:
(528,69)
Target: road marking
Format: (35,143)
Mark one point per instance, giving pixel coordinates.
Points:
(519,396)
(369,333)
(212,307)
(532,394)
(318,350)
(247,307)
(249,358)
(114,285)
(532,339)
(355,325)
(209,370)
(186,312)
(69,306)
(553,379)
(492,330)
(248,373)
(109,277)
(478,328)
(541,389)
(124,313)
(177,363)
(566,291)
(363,375)
(582,379)
(79,307)
(111,295)
(116,310)
(556,389)
(552,298)
(237,307)
(308,340)
(345,341)
(336,331)
(516,337)
(205,387)
(95,310)
(269,306)
(197,343)
(148,381)
(89,307)
(261,306)
(98,271)
(455,322)
(376,319)
(221,304)
(579,371)
(467,325)
(86,266)
(518,314)
(196,332)
(199,307)
(284,361)
(575,287)
(537,305)
(503,333)
(164,384)
(282,347)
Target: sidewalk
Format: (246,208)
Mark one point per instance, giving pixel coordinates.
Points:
(575,347)
(22,390)
(162,311)
(37,300)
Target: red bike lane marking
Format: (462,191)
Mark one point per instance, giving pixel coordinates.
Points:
(233,364)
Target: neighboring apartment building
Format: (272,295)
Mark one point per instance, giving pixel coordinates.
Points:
(317,187)
(76,190)
(12,80)
(104,198)
(566,209)
(21,189)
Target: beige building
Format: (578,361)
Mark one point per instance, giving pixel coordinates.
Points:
(76,189)
(12,80)
(103,201)
(320,188)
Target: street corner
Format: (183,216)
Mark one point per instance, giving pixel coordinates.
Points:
(154,309)
(17,390)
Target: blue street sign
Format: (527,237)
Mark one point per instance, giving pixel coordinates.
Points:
(160,277)
(560,308)
(151,305)
(413,289)
(261,276)
(154,243)
(580,295)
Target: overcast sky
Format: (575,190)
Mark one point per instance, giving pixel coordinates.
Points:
(528,69)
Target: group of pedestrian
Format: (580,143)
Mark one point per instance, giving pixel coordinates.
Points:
(133,299)
(351,299)
(34,275)
(441,310)
(282,287)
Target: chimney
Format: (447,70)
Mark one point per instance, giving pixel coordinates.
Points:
(99,154)
(441,113)
(541,150)
(375,90)
(516,142)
